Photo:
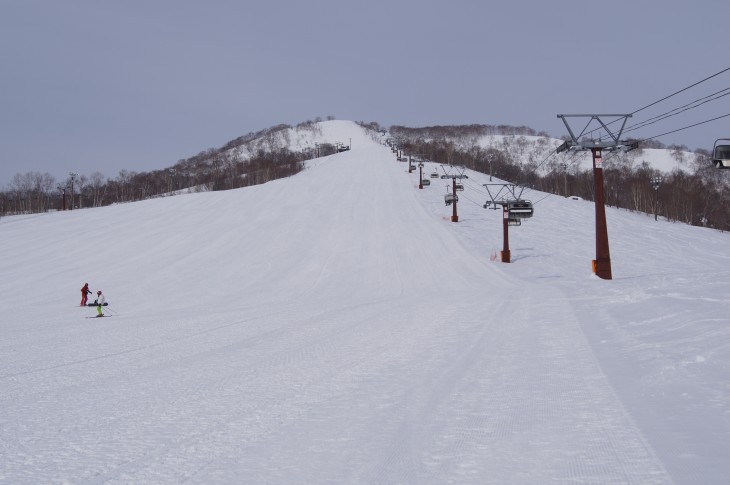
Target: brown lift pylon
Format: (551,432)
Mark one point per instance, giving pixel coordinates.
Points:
(609,141)
(514,209)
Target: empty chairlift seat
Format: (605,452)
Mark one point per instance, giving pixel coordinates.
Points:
(721,154)
(519,209)
(451,198)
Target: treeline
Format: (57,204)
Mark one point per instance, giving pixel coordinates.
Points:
(250,160)
(699,196)
(443,132)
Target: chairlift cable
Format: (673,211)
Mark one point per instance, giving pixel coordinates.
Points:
(575,157)
(554,151)
(530,189)
(683,108)
(548,195)
(473,187)
(681,90)
(679,110)
(686,127)
(470,200)
(667,97)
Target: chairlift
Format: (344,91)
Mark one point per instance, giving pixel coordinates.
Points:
(519,209)
(513,221)
(451,198)
(459,187)
(425,182)
(721,154)
(434,175)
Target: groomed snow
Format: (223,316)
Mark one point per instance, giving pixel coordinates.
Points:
(336,327)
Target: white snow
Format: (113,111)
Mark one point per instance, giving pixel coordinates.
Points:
(336,327)
(538,153)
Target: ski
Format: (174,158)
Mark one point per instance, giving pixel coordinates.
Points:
(99,316)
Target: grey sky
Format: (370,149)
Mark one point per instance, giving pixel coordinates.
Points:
(103,86)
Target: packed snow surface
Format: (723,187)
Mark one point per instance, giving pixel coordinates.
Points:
(337,327)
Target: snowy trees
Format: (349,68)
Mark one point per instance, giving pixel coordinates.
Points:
(697,194)
(35,192)
(29,192)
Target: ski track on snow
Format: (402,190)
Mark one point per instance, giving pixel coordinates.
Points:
(336,327)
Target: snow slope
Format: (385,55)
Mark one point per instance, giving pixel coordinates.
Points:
(336,327)
(538,152)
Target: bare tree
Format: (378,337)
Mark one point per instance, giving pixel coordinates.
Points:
(81,183)
(22,185)
(96,179)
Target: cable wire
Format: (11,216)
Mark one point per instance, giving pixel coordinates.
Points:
(548,195)
(665,98)
(467,198)
(686,127)
(681,90)
(678,110)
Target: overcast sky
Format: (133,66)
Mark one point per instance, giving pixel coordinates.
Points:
(89,85)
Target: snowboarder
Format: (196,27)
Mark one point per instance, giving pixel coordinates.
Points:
(99,302)
(84,291)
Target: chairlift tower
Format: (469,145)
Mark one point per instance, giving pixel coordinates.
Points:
(454,215)
(454,198)
(609,141)
(514,209)
(72,177)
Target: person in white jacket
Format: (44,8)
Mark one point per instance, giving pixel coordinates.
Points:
(99,302)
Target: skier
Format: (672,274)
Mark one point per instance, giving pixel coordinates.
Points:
(84,291)
(99,302)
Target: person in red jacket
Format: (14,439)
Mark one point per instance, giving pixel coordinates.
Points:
(84,291)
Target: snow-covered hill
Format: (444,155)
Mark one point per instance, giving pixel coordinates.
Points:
(336,327)
(538,153)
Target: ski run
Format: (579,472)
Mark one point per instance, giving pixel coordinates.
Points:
(337,327)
